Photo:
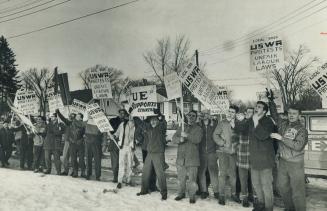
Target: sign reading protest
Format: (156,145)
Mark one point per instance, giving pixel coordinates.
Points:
(261,96)
(318,81)
(266,54)
(100,83)
(27,102)
(173,86)
(54,101)
(143,100)
(99,117)
(78,107)
(203,89)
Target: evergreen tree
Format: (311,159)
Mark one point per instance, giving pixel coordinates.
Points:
(9,80)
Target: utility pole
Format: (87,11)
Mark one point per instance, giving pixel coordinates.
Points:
(197,64)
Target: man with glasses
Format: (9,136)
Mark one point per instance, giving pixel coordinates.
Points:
(188,159)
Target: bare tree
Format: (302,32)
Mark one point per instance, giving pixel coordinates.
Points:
(292,79)
(39,81)
(167,57)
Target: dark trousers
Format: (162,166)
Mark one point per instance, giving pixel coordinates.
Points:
(244,183)
(114,157)
(26,155)
(208,162)
(77,156)
(56,154)
(93,151)
(38,157)
(156,162)
(153,177)
(5,154)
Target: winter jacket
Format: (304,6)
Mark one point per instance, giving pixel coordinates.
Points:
(25,140)
(188,151)
(6,138)
(114,122)
(261,147)
(295,137)
(40,132)
(128,128)
(53,138)
(93,134)
(77,131)
(207,144)
(225,137)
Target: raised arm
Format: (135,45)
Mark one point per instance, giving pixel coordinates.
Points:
(64,119)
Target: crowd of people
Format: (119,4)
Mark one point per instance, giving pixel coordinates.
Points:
(245,150)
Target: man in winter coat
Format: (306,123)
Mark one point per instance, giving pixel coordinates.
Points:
(125,140)
(227,139)
(76,142)
(52,144)
(208,156)
(155,159)
(292,138)
(114,150)
(188,159)
(262,155)
(6,141)
(38,139)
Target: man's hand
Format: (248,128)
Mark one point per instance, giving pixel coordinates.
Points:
(184,134)
(276,136)
(240,116)
(270,94)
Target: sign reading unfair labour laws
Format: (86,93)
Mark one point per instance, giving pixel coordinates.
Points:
(318,81)
(143,100)
(78,107)
(203,89)
(173,86)
(261,96)
(100,83)
(54,101)
(99,117)
(27,102)
(266,54)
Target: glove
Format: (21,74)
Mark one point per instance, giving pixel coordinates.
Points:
(270,94)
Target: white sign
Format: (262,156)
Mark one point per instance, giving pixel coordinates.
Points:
(99,117)
(78,107)
(318,81)
(261,96)
(100,83)
(143,100)
(266,54)
(54,101)
(173,86)
(203,89)
(27,102)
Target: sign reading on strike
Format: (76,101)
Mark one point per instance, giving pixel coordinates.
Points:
(100,83)
(54,101)
(27,102)
(318,81)
(266,54)
(173,86)
(143,100)
(78,107)
(203,89)
(99,117)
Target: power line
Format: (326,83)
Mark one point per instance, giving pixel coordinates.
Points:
(31,13)
(267,28)
(39,5)
(18,6)
(72,20)
(238,79)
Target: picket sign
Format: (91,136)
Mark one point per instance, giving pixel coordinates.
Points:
(100,83)
(54,101)
(27,102)
(143,100)
(78,107)
(98,116)
(318,81)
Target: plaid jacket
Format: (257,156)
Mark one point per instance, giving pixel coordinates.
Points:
(243,152)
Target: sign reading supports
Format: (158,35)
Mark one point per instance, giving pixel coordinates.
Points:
(203,89)
(99,117)
(143,100)
(27,102)
(261,96)
(78,107)
(318,81)
(54,101)
(100,83)
(266,54)
(173,86)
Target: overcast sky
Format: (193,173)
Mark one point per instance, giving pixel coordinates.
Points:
(118,38)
